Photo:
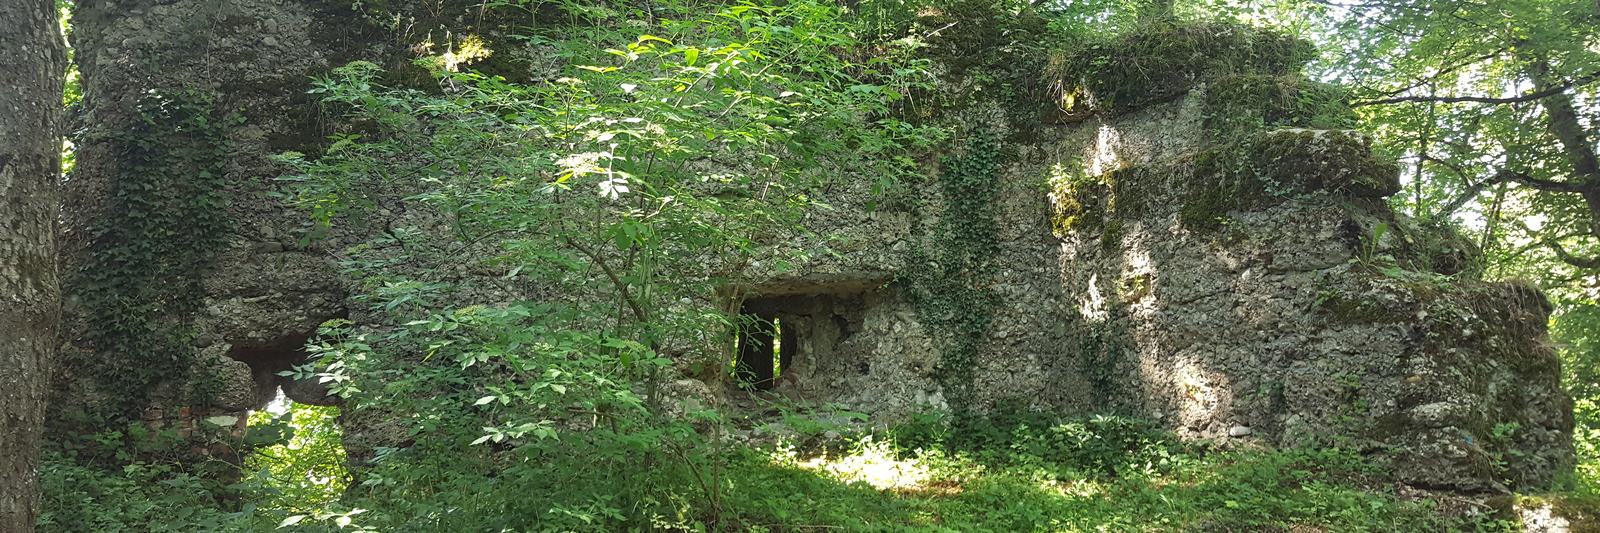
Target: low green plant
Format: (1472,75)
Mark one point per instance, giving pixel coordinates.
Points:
(1367,254)
(138,479)
(1021,470)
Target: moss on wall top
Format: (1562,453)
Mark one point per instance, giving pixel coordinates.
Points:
(1242,104)
(988,52)
(1281,164)
(1164,60)
(1302,161)
(1257,172)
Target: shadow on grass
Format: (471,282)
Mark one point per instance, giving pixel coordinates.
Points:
(1293,491)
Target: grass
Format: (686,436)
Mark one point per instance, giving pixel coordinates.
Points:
(1007,485)
(1011,471)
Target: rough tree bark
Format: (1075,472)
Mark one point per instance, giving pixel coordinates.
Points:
(32,57)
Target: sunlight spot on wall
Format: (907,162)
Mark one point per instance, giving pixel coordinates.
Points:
(1136,287)
(1094,303)
(1199,391)
(1103,157)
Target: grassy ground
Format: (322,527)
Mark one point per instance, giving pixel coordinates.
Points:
(1100,474)
(1012,472)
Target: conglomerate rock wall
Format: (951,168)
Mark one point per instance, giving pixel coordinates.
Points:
(1249,287)
(1315,318)
(188,286)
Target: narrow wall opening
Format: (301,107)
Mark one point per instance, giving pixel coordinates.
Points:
(766,351)
(800,346)
(269,359)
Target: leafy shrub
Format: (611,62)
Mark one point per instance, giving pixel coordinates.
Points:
(306,469)
(1099,445)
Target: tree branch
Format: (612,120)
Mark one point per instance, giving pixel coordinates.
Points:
(1500,177)
(638,312)
(1471,192)
(1547,185)
(1529,97)
(1442,72)
(1593,262)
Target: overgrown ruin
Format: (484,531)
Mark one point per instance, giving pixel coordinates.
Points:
(1208,248)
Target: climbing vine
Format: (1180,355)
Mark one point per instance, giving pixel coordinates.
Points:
(143,270)
(950,283)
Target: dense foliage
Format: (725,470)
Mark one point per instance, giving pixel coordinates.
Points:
(669,159)
(677,151)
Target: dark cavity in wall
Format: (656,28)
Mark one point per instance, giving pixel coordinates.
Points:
(269,358)
(797,344)
(758,365)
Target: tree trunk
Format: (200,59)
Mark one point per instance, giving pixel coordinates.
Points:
(1563,123)
(32,56)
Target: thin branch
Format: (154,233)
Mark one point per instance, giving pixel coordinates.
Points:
(1381,5)
(638,312)
(1442,72)
(1472,192)
(1548,185)
(1529,97)
(1593,262)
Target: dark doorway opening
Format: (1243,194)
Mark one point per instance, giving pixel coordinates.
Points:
(801,345)
(766,350)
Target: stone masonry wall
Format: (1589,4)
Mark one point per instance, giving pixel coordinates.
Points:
(1230,287)
(1275,319)
(1288,324)
(263,294)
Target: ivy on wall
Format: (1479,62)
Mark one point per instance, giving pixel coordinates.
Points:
(142,275)
(950,284)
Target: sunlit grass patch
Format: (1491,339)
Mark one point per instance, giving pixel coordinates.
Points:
(874,462)
(876,484)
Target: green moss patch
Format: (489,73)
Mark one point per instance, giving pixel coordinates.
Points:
(989,52)
(1282,164)
(1241,104)
(1258,172)
(1164,60)
(1101,202)
(1339,161)
(1582,512)
(1079,206)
